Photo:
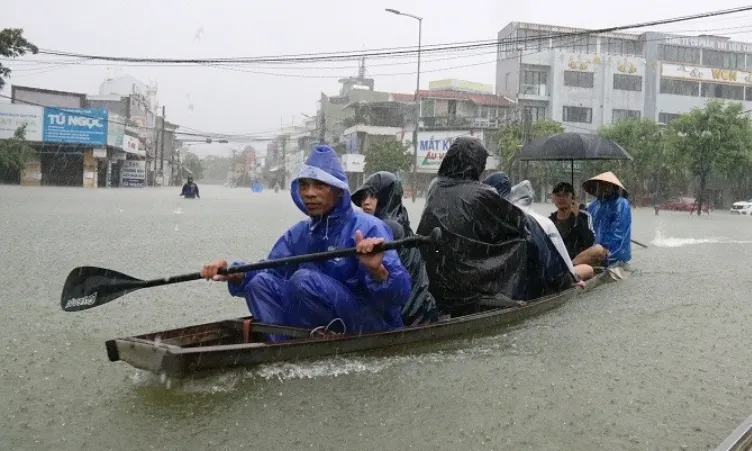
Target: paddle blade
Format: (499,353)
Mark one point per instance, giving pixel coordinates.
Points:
(88,286)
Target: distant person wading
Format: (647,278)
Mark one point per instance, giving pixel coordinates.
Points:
(190,190)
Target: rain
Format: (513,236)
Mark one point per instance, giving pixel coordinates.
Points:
(109,111)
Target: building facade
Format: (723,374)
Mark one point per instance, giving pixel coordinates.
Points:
(586,80)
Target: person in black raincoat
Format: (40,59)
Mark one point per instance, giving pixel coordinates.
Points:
(381,196)
(480,260)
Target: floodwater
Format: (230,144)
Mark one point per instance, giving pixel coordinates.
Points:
(657,362)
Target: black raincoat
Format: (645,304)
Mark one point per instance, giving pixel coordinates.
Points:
(480,260)
(421,307)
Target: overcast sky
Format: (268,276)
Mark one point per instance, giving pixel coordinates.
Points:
(239,101)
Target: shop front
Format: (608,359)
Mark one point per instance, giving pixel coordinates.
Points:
(74,143)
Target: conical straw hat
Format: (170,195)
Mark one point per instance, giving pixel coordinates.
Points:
(608,177)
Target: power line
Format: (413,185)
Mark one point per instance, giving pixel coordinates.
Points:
(49,66)
(388,52)
(200,133)
(75,61)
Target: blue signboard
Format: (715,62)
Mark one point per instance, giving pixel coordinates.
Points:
(75,126)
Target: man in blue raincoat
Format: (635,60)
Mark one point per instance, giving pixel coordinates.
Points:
(612,216)
(358,295)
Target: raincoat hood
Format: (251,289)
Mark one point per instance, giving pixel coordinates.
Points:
(323,165)
(522,195)
(500,182)
(387,189)
(465,159)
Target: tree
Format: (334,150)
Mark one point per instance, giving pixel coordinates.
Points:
(193,164)
(644,139)
(215,168)
(717,137)
(389,156)
(510,137)
(13,45)
(14,153)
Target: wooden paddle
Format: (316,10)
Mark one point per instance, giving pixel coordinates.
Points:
(88,286)
(640,244)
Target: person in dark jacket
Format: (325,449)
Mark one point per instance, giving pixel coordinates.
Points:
(190,190)
(381,196)
(576,227)
(480,260)
(362,294)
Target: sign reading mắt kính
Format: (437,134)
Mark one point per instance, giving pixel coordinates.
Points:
(75,126)
(432,146)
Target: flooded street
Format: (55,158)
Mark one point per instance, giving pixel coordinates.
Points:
(657,362)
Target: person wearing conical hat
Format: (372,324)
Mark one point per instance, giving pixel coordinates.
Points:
(612,216)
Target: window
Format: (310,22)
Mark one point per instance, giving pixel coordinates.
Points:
(577,114)
(618,46)
(722,60)
(722,91)
(681,55)
(626,82)
(748,93)
(580,44)
(533,113)
(665,118)
(620,115)
(534,77)
(427,107)
(680,87)
(534,82)
(533,39)
(577,79)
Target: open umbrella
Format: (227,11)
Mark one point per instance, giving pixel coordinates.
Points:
(571,147)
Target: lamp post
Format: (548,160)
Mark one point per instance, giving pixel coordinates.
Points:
(417,106)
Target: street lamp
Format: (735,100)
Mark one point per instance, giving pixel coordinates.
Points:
(417,106)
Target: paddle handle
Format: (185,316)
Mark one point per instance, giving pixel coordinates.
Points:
(639,244)
(412,241)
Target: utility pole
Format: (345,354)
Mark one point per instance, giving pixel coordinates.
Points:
(414,182)
(233,165)
(161,145)
(284,161)
(322,121)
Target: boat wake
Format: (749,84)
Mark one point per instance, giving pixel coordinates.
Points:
(665,241)
(231,380)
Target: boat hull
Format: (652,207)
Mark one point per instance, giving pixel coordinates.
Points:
(740,439)
(229,344)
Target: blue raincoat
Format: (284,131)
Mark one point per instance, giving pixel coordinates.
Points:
(314,294)
(612,223)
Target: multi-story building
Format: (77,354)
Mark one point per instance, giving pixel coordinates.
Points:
(589,80)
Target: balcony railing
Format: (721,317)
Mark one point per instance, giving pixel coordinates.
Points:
(461,122)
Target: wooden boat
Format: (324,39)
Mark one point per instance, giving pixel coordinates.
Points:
(240,342)
(740,439)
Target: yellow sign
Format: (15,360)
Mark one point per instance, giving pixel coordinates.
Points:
(706,74)
(723,74)
(626,66)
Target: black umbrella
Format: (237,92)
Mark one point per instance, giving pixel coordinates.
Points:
(572,146)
